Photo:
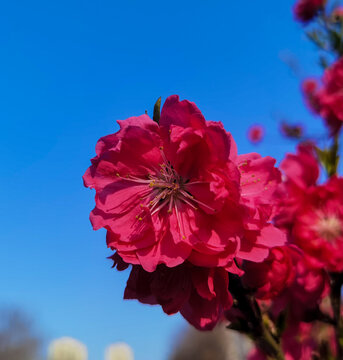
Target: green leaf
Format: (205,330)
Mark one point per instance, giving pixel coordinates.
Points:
(336,41)
(318,38)
(329,158)
(157,110)
(323,62)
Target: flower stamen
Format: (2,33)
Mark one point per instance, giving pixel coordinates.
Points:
(329,227)
(166,187)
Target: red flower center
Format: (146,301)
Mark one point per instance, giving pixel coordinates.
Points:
(166,188)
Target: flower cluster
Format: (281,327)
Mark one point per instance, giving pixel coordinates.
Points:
(177,201)
(217,236)
(298,286)
(326,100)
(306,10)
(293,280)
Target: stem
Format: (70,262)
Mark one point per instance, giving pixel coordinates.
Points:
(334,157)
(336,285)
(269,346)
(257,329)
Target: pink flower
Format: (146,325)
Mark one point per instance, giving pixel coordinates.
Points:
(318,227)
(301,169)
(330,96)
(303,295)
(255,134)
(301,172)
(178,191)
(337,13)
(271,276)
(327,100)
(311,284)
(306,10)
(200,294)
(310,88)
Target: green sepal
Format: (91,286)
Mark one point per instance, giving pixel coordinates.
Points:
(157,111)
(329,158)
(318,38)
(323,62)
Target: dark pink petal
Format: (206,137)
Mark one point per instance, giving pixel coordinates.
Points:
(301,168)
(181,113)
(259,177)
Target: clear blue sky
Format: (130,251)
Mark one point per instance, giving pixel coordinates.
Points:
(68,70)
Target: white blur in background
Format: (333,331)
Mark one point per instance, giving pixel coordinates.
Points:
(67,348)
(119,351)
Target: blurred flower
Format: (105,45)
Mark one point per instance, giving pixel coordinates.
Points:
(256,133)
(337,14)
(119,351)
(301,172)
(67,348)
(331,94)
(292,131)
(301,298)
(306,10)
(301,169)
(318,227)
(178,191)
(327,100)
(310,286)
(310,88)
(312,214)
(271,276)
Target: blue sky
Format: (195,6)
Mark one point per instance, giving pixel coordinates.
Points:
(68,70)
